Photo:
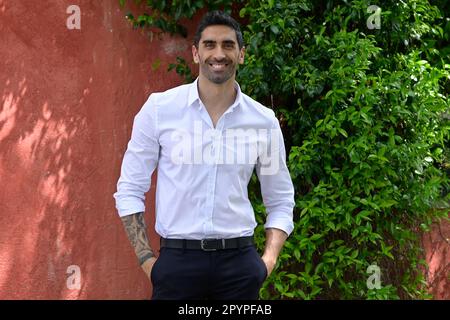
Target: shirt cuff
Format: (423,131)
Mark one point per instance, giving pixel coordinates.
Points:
(127,207)
(283,223)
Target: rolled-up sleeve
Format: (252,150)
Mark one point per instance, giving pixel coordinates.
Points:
(139,161)
(277,189)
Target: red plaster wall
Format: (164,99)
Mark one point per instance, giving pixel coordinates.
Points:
(68,99)
(437,253)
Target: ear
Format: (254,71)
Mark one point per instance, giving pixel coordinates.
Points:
(241,55)
(195,54)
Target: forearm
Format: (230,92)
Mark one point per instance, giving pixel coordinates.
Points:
(137,234)
(275,239)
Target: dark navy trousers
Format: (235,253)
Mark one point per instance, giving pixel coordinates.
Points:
(186,274)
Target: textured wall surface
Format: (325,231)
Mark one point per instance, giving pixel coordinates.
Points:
(68,99)
(437,250)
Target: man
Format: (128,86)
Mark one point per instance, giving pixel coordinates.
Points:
(206,138)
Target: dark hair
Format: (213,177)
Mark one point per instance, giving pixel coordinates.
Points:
(214,18)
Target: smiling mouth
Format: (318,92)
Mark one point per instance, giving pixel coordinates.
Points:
(218,66)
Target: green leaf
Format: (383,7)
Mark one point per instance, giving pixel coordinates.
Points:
(279,287)
(343,132)
(315,237)
(274,29)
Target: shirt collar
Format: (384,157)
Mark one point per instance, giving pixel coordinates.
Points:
(194,95)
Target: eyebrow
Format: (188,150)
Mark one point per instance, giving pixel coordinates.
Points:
(213,42)
(229,42)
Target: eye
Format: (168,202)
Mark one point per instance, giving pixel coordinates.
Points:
(229,45)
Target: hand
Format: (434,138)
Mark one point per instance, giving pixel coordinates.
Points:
(147,266)
(270,263)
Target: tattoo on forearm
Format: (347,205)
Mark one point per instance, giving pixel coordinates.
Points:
(136,230)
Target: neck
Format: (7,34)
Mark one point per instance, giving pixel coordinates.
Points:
(214,96)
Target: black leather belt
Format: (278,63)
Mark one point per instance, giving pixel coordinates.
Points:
(207,244)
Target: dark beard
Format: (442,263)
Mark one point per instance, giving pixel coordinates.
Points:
(218,78)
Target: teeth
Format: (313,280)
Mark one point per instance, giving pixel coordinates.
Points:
(218,66)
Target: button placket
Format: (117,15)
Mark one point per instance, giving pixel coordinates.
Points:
(212,176)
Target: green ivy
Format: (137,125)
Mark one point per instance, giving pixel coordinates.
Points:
(166,15)
(365,115)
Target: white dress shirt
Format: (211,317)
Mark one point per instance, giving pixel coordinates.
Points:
(203,171)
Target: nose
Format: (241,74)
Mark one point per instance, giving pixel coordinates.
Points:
(219,54)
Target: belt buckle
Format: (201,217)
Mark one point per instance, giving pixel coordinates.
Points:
(205,241)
